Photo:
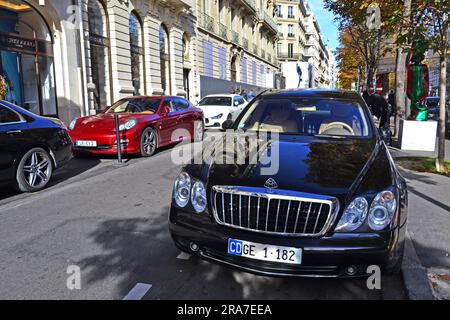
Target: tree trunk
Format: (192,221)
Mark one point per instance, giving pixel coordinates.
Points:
(440,161)
(400,90)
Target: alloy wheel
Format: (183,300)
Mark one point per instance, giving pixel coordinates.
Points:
(148,142)
(37,169)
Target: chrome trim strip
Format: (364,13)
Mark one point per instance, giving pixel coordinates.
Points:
(278,213)
(318,217)
(278,195)
(287,216)
(307,217)
(240,214)
(298,213)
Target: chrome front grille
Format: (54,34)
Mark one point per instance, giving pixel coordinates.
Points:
(276,212)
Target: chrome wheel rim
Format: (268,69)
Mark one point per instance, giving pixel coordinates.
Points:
(149,142)
(37,169)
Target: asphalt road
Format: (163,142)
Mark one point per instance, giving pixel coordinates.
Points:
(112,223)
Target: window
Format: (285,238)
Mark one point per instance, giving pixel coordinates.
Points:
(100,52)
(8,116)
(290,12)
(307,116)
(290,50)
(164,54)
(215,101)
(290,30)
(222,63)
(135,106)
(179,104)
(279,47)
(137,55)
(279,12)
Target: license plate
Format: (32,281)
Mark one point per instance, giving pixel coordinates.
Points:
(264,252)
(84,143)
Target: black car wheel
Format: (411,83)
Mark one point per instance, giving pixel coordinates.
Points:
(34,170)
(148,142)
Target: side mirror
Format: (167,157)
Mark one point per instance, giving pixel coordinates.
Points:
(165,111)
(236,103)
(228,124)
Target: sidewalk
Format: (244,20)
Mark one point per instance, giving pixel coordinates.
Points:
(428,229)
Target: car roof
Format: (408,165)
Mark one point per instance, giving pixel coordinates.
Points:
(314,93)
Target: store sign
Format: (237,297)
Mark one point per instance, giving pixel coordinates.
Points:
(11,42)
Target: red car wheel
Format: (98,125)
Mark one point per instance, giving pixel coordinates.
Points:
(148,142)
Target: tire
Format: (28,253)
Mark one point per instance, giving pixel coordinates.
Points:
(149,142)
(34,170)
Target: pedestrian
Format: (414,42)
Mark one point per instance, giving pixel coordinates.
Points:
(244,94)
(365,94)
(251,95)
(392,101)
(379,107)
(232,90)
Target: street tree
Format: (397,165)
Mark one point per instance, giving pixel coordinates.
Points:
(368,41)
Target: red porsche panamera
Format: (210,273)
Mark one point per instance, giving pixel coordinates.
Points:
(146,123)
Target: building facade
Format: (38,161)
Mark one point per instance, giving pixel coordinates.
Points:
(69,58)
(301,50)
(235,46)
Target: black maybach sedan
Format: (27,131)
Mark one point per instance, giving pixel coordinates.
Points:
(31,147)
(335,206)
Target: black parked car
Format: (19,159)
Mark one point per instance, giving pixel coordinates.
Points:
(31,147)
(336,205)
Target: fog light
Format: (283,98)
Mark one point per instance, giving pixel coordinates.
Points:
(194,247)
(351,270)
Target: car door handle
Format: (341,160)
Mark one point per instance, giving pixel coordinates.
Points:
(14,132)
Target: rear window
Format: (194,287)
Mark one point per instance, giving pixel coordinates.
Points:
(307,116)
(215,101)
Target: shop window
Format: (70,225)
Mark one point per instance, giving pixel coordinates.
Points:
(100,53)
(137,54)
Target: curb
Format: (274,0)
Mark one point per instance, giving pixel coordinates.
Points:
(414,274)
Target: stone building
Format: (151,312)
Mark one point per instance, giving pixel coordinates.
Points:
(68,58)
(235,45)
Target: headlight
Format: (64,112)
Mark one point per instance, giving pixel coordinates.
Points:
(182,189)
(198,197)
(73,124)
(354,216)
(130,124)
(217,117)
(382,210)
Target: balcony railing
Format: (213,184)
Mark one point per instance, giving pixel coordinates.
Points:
(291,35)
(245,43)
(263,16)
(223,31)
(255,49)
(289,56)
(235,37)
(251,4)
(207,22)
(291,16)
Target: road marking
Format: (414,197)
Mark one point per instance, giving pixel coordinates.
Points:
(184,256)
(138,292)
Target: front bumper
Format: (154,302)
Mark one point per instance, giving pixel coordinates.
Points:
(106,143)
(328,256)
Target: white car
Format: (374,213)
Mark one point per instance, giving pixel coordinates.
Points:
(218,108)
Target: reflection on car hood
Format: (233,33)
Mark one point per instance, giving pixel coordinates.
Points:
(306,164)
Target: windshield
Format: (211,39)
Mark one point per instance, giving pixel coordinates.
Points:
(215,101)
(307,116)
(148,106)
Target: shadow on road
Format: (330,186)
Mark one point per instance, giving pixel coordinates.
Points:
(141,250)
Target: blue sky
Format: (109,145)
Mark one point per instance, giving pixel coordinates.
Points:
(328,27)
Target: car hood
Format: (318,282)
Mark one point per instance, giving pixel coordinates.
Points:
(212,111)
(105,121)
(306,164)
